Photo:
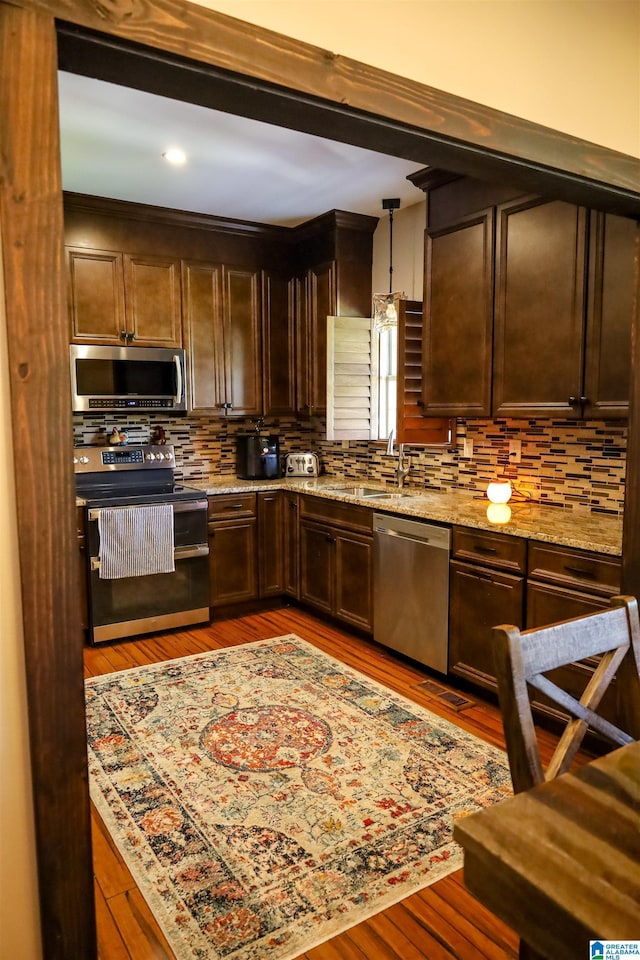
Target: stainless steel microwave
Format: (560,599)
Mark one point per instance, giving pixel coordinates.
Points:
(127,378)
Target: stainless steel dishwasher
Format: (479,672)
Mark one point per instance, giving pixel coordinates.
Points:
(411,588)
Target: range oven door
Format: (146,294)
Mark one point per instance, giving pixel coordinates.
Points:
(130,606)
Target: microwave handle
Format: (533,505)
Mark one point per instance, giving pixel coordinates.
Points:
(176,360)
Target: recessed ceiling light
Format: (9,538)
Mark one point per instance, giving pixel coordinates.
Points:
(175,155)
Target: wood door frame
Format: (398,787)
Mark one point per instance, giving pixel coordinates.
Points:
(274,76)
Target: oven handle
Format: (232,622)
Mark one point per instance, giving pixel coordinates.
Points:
(179,506)
(180,553)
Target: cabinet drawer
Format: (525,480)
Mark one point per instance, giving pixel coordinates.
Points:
(578,569)
(336,513)
(232,506)
(498,550)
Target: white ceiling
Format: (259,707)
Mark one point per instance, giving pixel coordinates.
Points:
(113,137)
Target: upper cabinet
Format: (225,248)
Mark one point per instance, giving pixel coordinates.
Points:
(333,254)
(223,339)
(528,304)
(539,314)
(118,298)
(249,300)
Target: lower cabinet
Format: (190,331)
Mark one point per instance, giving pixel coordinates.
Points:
(486,589)
(336,560)
(271,544)
(563,583)
(233,527)
(291,549)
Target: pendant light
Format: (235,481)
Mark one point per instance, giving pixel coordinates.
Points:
(385,305)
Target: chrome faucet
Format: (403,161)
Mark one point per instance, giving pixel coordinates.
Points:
(404,463)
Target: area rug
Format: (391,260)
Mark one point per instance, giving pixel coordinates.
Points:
(266,797)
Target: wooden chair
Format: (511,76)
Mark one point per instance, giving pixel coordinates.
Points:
(524,657)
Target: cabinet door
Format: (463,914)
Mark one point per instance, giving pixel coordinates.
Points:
(291,562)
(547,604)
(480,599)
(458,325)
(321,293)
(539,312)
(153,301)
(609,312)
(202,293)
(242,342)
(279,344)
(302,346)
(96,295)
(271,544)
(354,580)
(317,557)
(233,562)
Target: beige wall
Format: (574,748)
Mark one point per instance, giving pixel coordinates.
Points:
(569,64)
(573,65)
(408,251)
(19,917)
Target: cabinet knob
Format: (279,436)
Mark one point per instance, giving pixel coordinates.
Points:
(123,335)
(132,336)
(573,401)
(584,399)
(330,539)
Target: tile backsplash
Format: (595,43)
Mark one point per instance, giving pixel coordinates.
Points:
(563,463)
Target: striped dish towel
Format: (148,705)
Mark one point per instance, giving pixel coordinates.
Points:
(136,541)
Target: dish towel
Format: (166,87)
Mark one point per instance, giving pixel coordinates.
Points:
(136,541)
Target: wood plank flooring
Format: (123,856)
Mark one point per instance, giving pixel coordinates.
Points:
(442,922)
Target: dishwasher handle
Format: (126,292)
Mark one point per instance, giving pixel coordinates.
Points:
(385,532)
(422,534)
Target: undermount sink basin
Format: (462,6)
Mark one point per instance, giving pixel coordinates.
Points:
(368,493)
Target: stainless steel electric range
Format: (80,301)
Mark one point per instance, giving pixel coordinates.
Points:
(147,548)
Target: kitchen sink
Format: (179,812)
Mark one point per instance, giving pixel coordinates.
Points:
(367,493)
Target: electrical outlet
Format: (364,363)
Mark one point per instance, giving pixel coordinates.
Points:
(467,448)
(515,451)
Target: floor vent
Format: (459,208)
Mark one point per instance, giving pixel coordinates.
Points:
(454,700)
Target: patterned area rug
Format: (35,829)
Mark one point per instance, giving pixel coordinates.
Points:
(266,797)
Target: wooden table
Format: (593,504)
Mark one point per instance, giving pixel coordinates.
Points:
(560,864)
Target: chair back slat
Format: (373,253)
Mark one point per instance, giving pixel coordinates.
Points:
(522,658)
(546,648)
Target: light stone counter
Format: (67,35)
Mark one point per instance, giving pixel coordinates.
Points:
(575,527)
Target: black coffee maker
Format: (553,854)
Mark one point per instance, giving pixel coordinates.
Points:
(257,457)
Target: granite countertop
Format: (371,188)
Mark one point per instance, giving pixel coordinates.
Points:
(572,527)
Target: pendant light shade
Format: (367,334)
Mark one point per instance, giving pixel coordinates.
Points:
(385,305)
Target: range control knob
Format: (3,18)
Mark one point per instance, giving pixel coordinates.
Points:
(75,459)
(84,459)
(150,456)
(159,456)
(168,455)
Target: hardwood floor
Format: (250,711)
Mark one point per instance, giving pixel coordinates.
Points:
(442,922)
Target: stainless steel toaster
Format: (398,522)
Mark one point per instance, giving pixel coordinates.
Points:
(302,465)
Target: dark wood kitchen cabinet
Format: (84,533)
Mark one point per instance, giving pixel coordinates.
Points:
(458,328)
(233,542)
(291,557)
(486,588)
(334,255)
(528,304)
(271,543)
(336,560)
(539,316)
(316,300)
(223,338)
(563,583)
(279,343)
(117,298)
